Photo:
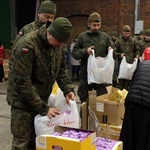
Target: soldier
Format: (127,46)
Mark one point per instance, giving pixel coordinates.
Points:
(92,38)
(126,46)
(37,62)
(114,36)
(145,42)
(140,36)
(46,12)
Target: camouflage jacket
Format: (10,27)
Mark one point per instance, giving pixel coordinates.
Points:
(34,67)
(101,41)
(143,44)
(128,46)
(28,28)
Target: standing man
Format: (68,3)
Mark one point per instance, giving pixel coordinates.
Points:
(92,38)
(145,42)
(126,46)
(38,60)
(46,12)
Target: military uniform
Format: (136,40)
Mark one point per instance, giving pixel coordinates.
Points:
(131,50)
(47,7)
(28,28)
(101,41)
(35,66)
(143,43)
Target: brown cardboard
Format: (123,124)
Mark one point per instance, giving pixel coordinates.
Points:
(110,112)
(84,120)
(92,100)
(109,131)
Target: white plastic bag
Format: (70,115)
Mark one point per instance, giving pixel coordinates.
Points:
(126,70)
(68,118)
(57,98)
(100,69)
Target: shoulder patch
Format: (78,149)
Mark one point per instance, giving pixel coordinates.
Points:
(25,50)
(20,33)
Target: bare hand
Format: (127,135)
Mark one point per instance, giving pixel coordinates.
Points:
(70,96)
(53,112)
(89,50)
(123,55)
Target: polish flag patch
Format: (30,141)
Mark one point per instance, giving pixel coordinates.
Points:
(20,33)
(25,50)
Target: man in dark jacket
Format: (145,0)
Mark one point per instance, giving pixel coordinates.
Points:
(37,61)
(135,132)
(92,38)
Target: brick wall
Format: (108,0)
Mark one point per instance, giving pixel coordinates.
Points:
(115,13)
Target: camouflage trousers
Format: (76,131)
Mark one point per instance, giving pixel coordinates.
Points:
(22,129)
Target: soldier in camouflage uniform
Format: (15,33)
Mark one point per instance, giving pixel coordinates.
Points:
(46,12)
(95,39)
(37,62)
(140,36)
(145,42)
(126,46)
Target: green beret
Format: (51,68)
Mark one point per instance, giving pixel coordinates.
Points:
(47,7)
(94,17)
(126,28)
(142,32)
(147,32)
(114,33)
(61,29)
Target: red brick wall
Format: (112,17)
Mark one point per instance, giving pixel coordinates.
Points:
(115,13)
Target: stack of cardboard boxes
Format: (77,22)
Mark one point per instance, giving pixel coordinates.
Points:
(109,112)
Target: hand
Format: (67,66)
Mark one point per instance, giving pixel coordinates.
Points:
(70,96)
(123,55)
(53,112)
(110,48)
(89,50)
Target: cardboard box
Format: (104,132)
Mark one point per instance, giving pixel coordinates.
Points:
(50,142)
(108,111)
(84,119)
(92,100)
(109,131)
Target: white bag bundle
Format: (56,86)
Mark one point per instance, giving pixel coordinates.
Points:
(100,69)
(68,118)
(126,70)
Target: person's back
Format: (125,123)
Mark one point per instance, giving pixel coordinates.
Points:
(135,128)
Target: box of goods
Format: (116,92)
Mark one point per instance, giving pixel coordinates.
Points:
(109,131)
(65,138)
(108,144)
(113,132)
(102,132)
(109,111)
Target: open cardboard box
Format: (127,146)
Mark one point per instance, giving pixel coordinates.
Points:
(108,111)
(105,108)
(51,142)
